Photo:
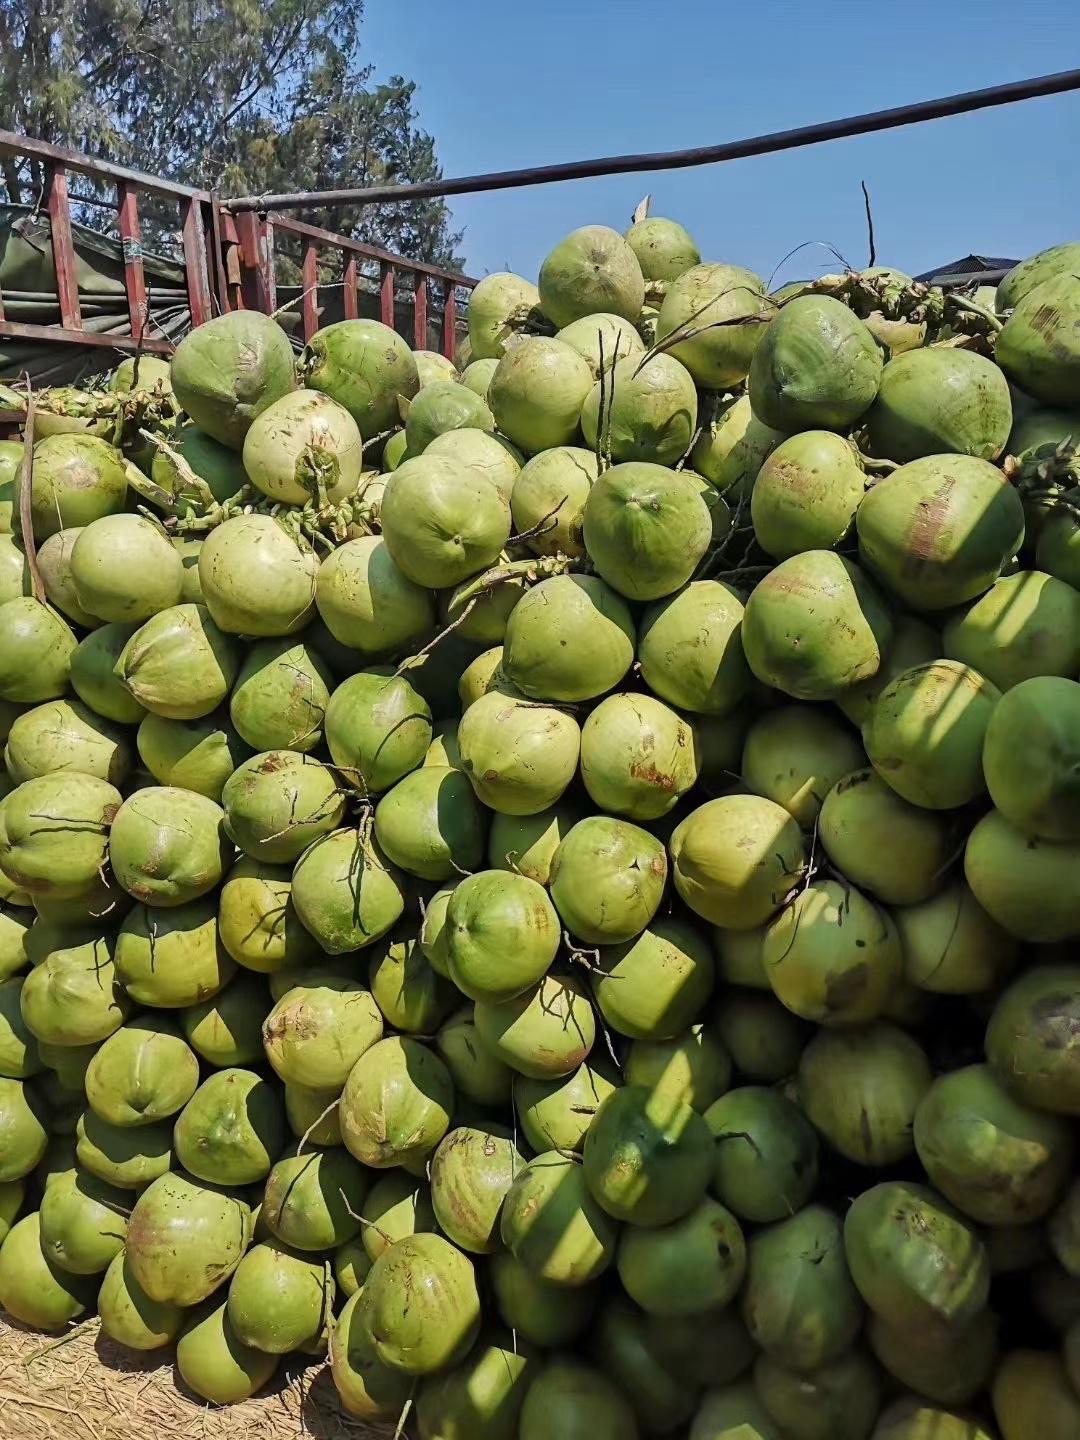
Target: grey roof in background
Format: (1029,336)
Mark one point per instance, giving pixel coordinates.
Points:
(985,268)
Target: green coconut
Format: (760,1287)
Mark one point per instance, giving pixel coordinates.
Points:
(832,956)
(548,499)
(1030,1040)
(951,946)
(734,859)
(431,824)
(1037,347)
(998,1161)
(229,370)
(76,479)
(54,567)
(665,250)
(179,664)
(83,1222)
(806,494)
(442,522)
(124,569)
(553,1226)
(712,318)
(11,459)
(35,652)
(311,1200)
(396,1104)
(346,893)
(602,340)
(1022,882)
(433,368)
(557,1113)
(304,448)
(19,1056)
(1026,625)
(482,1397)
(397,1205)
(367,1387)
(940,400)
(539,1310)
(420,1305)
(794,754)
(225,1029)
(817,367)
(257,922)
(860,1089)
(256,579)
(143,1073)
(312,1115)
(575,1402)
(645,528)
(278,1301)
(15,580)
(607,880)
(547,1031)
(925,734)
(642,409)
(412,996)
(896,851)
(363,365)
(280,695)
(815,626)
(597,634)
(488,456)
(691,650)
(213,1361)
(593,270)
(377,729)
(977,527)
(127,1156)
(93,676)
(799,1303)
(443,752)
(185,1238)
(440,407)
(33,1290)
(766,1165)
(482,674)
(1031,757)
(172,957)
(73,996)
(693,1068)
(129,1316)
(167,846)
(838,1401)
(478,1075)
(277,803)
(647,1159)
(220,467)
(315,1033)
(351,1266)
(654,986)
(913,1258)
(22,1128)
(471,1172)
(231,1129)
(1024,276)
(1033,1397)
(947,1363)
(197,755)
(732,447)
(65,736)
(1058,541)
(502,934)
(477,376)
(693,1265)
(625,1350)
(368,603)
(519,756)
(914,1419)
(638,758)
(537,393)
(501,305)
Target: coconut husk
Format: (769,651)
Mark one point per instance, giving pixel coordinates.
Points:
(82,1386)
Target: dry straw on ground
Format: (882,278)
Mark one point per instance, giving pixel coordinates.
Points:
(80,1386)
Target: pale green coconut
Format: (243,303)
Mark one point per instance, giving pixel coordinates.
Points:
(76,479)
(124,569)
(477,376)
(500,306)
(913,643)
(431,824)
(607,880)
(860,1087)
(595,626)
(712,318)
(442,522)
(978,526)
(256,579)
(663,248)
(1022,882)
(937,401)
(280,695)
(732,447)
(167,846)
(54,836)
(735,859)
(806,494)
(33,1289)
(817,367)
(257,922)
(433,368)
(316,1032)
(558,1112)
(1026,625)
(553,1226)
(220,467)
(519,756)
(642,410)
(593,270)
(547,1031)
(489,456)
(171,957)
(15,573)
(1038,346)
(35,652)
(478,1075)
(229,370)
(346,893)
(377,729)
(795,754)
(179,664)
(303,448)
(526,844)
(482,675)
(537,393)
(11,458)
(897,851)
(363,365)
(395,1107)
(197,755)
(54,567)
(951,945)
(691,650)
(93,676)
(549,498)
(656,985)
(815,626)
(65,735)
(645,528)
(442,406)
(925,734)
(73,997)
(693,1068)
(1045,265)
(1031,757)
(368,603)
(129,1316)
(603,339)
(647,1158)
(225,1028)
(638,758)
(277,803)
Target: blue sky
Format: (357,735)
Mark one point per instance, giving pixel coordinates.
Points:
(504,84)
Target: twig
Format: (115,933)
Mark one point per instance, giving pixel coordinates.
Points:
(869,224)
(412,660)
(26,480)
(316,1123)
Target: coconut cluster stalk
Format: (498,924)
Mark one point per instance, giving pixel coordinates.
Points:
(548,886)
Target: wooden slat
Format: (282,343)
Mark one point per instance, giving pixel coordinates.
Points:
(420,299)
(449,332)
(349,288)
(195,262)
(12,144)
(257,262)
(309,272)
(131,242)
(370,252)
(386,294)
(63,247)
(54,334)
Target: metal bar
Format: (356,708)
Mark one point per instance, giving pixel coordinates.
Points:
(198,282)
(449,323)
(349,288)
(770,144)
(420,299)
(309,279)
(386,295)
(12,144)
(258,282)
(217,245)
(59,335)
(131,246)
(370,252)
(63,247)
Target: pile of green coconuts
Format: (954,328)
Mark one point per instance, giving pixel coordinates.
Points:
(551,885)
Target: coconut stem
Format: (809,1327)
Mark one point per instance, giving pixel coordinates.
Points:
(316,1123)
